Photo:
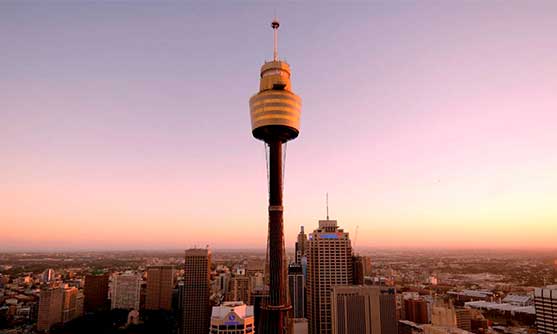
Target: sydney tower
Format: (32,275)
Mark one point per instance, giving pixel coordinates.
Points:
(275,119)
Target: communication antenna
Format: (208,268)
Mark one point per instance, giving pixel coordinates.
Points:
(275,24)
(356,236)
(327,204)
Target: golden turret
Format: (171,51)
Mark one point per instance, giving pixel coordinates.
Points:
(275,110)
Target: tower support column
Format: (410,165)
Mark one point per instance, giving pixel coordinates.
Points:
(275,310)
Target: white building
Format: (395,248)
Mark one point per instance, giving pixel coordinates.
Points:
(125,291)
(518,300)
(232,318)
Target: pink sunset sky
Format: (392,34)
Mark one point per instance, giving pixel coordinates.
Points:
(126,126)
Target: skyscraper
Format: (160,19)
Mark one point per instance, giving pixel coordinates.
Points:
(301,246)
(545,302)
(125,291)
(95,291)
(363,309)
(51,300)
(197,310)
(329,264)
(48,275)
(258,297)
(232,318)
(275,119)
(160,282)
(297,289)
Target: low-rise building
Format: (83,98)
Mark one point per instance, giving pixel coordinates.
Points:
(232,318)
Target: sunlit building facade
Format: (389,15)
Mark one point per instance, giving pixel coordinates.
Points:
(329,264)
(70,306)
(363,309)
(51,301)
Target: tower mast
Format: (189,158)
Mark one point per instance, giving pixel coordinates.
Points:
(275,24)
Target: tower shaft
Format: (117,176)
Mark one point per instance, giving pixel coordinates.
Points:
(275,311)
(277,294)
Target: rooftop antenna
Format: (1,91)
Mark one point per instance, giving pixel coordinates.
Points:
(275,24)
(327,204)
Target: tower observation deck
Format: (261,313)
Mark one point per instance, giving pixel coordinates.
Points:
(275,119)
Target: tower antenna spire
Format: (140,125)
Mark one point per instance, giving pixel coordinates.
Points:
(327,204)
(275,25)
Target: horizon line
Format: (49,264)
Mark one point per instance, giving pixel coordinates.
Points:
(259,249)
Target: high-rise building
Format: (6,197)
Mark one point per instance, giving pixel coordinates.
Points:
(48,275)
(197,310)
(464,318)
(178,302)
(126,291)
(240,290)
(301,246)
(545,303)
(357,270)
(160,282)
(222,284)
(95,291)
(79,299)
(51,300)
(443,314)
(232,318)
(297,289)
(70,305)
(555,271)
(416,310)
(363,309)
(257,281)
(298,326)
(258,297)
(367,266)
(275,119)
(329,264)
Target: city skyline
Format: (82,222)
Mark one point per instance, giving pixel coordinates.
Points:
(125,127)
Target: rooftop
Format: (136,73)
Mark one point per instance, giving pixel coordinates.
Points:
(239,308)
(505,307)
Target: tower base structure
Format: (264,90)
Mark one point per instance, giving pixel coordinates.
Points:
(274,319)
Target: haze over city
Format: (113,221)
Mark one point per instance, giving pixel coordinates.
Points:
(127,127)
